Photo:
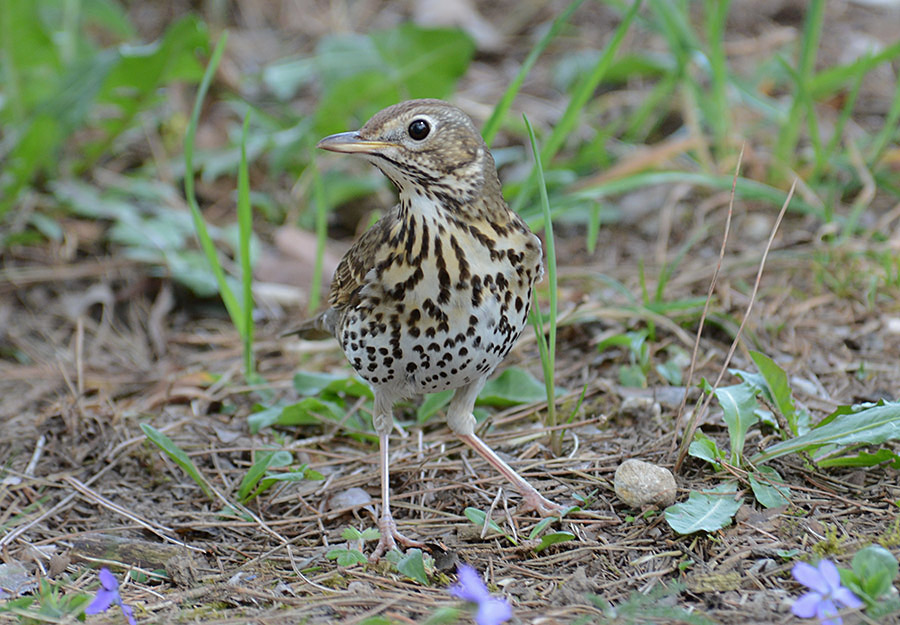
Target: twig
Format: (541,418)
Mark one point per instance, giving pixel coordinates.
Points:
(686,441)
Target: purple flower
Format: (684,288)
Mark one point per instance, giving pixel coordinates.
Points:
(491,611)
(825,593)
(109,595)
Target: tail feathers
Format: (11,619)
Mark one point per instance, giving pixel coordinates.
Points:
(319,328)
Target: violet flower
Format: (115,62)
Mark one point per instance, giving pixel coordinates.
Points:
(109,595)
(491,610)
(826,593)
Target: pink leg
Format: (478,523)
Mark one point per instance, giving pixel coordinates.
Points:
(533,499)
(386,525)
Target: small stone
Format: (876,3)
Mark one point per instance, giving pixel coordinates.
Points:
(640,484)
(641,408)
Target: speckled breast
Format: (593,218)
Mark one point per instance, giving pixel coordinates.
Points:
(439,318)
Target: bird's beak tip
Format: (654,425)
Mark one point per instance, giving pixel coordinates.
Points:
(351,143)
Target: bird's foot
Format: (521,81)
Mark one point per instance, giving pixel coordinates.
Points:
(533,501)
(390,537)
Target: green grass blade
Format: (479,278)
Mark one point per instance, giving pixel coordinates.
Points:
(548,363)
(493,123)
(173,451)
(245,231)
(235,311)
(790,130)
(576,105)
(720,119)
(890,127)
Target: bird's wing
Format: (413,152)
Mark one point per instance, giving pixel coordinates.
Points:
(350,275)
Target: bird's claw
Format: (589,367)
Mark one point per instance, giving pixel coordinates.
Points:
(390,537)
(535,502)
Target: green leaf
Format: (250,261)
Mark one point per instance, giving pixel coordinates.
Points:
(863,459)
(876,568)
(707,511)
(346,557)
(478,517)
(314,383)
(871,425)
(512,387)
(705,448)
(264,461)
(769,488)
(168,446)
(540,527)
(413,566)
(777,385)
(446,615)
(432,404)
(351,533)
(739,407)
(552,539)
(307,411)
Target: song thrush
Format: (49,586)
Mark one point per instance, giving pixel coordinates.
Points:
(436,293)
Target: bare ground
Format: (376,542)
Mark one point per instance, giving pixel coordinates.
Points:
(92,346)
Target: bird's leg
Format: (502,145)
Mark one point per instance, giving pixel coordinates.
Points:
(462,422)
(386,524)
(533,500)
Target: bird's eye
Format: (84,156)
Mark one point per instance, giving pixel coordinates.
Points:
(419,129)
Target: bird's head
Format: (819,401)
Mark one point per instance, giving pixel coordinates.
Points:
(425,147)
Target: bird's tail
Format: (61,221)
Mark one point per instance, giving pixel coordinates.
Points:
(320,327)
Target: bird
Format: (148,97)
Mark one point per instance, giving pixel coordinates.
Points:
(435,294)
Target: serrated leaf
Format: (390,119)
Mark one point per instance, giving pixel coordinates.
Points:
(872,425)
(739,407)
(552,539)
(346,557)
(706,511)
(413,566)
(769,488)
(351,533)
(168,446)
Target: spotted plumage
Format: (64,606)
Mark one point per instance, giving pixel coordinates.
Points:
(436,293)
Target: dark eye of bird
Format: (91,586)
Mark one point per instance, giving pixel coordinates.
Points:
(419,129)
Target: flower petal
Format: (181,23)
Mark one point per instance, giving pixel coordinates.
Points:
(827,612)
(128,611)
(493,612)
(806,606)
(471,587)
(809,576)
(108,580)
(830,574)
(846,598)
(102,601)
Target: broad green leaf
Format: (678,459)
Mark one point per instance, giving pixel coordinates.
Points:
(706,511)
(871,425)
(351,533)
(446,615)
(876,568)
(301,474)
(264,460)
(432,404)
(739,407)
(705,448)
(512,387)
(413,566)
(540,527)
(178,457)
(552,539)
(777,385)
(769,488)
(307,411)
